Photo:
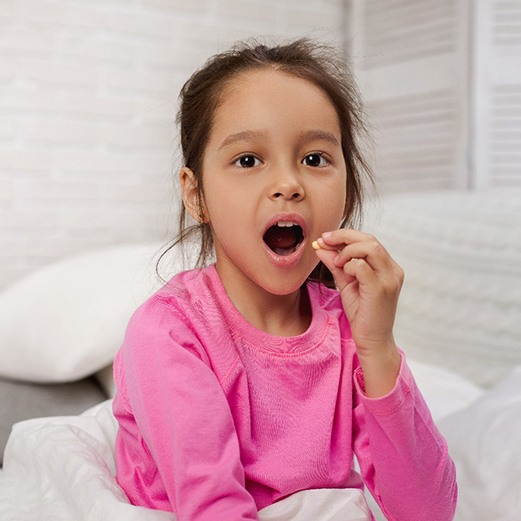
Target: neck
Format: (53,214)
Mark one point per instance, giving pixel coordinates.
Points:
(280,315)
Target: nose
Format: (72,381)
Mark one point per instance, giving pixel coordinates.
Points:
(287,186)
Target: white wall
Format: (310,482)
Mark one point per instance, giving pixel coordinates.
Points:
(442,84)
(496,100)
(88,94)
(412,60)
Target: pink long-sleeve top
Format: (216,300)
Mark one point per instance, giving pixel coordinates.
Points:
(218,419)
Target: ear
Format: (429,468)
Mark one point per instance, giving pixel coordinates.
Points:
(191,197)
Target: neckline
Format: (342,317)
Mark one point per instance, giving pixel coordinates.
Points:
(263,341)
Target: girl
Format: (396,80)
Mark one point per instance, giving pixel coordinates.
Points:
(251,379)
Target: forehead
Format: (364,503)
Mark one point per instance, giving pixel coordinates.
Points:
(269,97)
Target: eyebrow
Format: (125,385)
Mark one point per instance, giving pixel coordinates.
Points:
(246,135)
(252,135)
(320,135)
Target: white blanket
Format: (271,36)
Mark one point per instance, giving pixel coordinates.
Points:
(62,469)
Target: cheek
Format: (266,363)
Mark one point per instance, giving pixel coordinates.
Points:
(226,215)
(334,203)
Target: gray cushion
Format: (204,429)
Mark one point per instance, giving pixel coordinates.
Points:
(22,401)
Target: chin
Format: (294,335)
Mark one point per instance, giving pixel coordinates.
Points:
(284,287)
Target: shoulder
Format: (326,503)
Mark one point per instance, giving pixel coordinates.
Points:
(171,316)
(183,295)
(178,331)
(162,332)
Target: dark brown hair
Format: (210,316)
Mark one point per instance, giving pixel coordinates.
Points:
(319,64)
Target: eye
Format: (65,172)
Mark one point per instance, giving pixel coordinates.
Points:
(315,160)
(247,161)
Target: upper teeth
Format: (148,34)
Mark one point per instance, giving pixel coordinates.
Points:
(286,224)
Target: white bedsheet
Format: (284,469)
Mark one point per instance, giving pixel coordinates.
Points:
(62,469)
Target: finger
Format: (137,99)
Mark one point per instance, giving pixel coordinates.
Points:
(353,244)
(385,284)
(328,258)
(344,236)
(319,244)
(359,269)
(336,260)
(371,250)
(338,238)
(337,242)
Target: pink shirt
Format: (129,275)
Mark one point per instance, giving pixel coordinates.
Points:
(218,419)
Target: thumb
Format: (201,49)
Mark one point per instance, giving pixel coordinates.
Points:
(328,258)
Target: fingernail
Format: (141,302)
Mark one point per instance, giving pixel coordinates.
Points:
(327,234)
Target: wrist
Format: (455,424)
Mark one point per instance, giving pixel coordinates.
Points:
(380,368)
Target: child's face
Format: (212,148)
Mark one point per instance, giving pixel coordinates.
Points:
(274,156)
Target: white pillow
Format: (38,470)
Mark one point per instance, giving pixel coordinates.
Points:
(484,441)
(67,320)
(444,391)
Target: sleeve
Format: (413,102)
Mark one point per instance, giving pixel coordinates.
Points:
(403,458)
(185,421)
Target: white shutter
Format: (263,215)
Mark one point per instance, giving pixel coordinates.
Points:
(412,66)
(497,100)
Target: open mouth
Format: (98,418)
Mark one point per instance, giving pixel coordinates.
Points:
(284,237)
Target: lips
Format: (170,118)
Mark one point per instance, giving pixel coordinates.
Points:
(284,235)
(284,238)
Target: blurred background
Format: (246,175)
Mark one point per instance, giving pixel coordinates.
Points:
(88,96)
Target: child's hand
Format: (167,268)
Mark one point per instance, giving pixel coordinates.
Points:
(369,281)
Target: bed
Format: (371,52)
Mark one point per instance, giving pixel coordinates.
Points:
(459,322)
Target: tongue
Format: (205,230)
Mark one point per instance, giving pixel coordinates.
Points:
(280,239)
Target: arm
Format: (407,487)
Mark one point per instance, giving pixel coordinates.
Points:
(185,420)
(369,282)
(403,457)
